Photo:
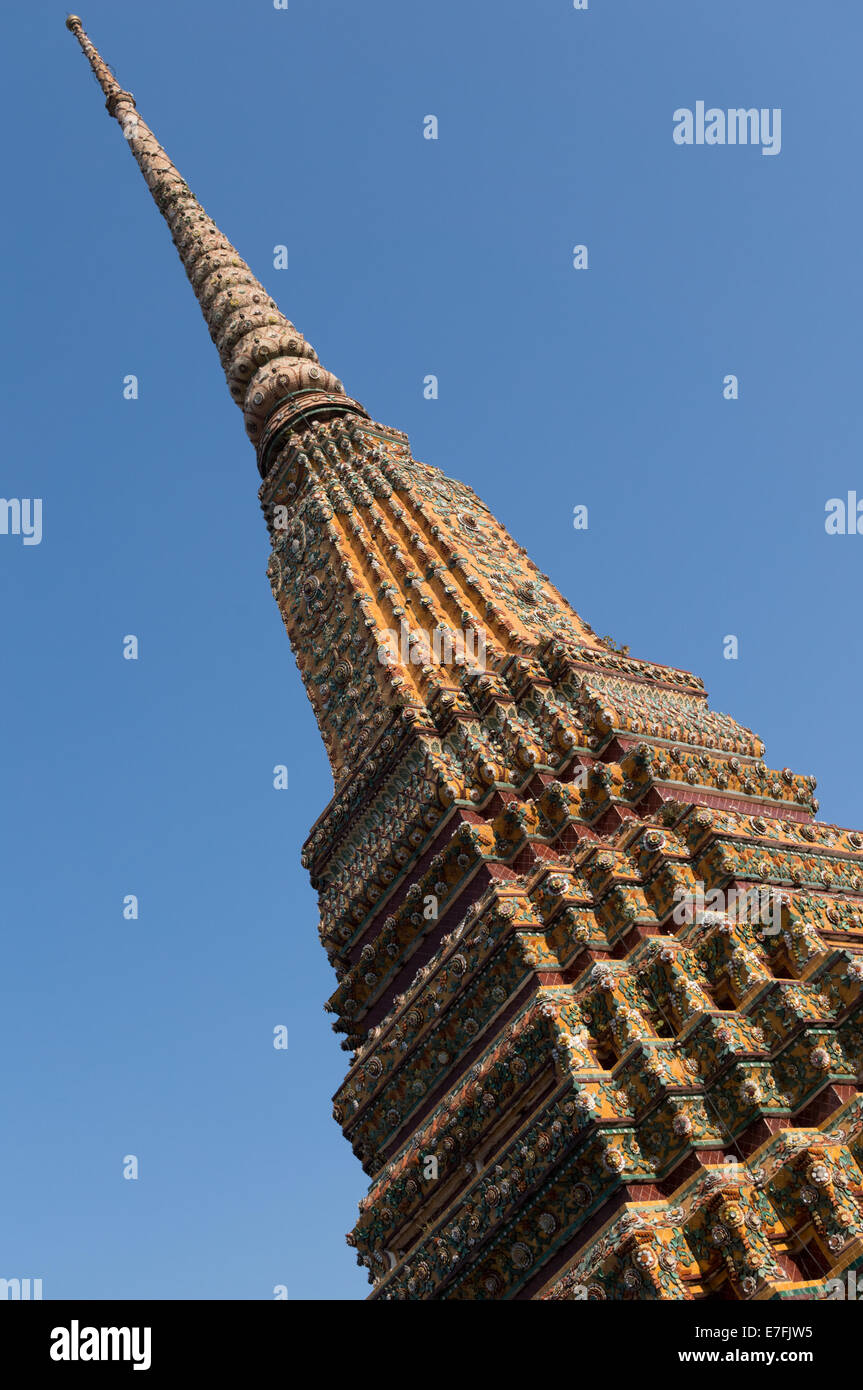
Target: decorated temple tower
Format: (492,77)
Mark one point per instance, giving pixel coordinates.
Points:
(598,967)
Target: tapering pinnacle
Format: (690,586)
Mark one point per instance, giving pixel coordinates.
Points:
(266,361)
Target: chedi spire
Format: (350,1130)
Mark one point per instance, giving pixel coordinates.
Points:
(599,969)
(267,361)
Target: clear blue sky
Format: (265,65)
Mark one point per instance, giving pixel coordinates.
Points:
(557,387)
